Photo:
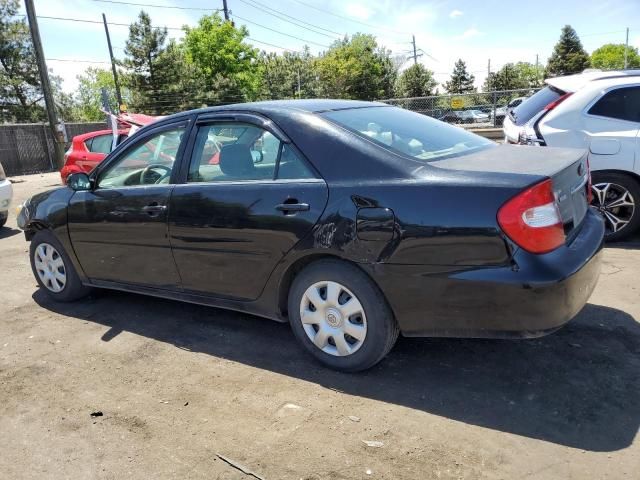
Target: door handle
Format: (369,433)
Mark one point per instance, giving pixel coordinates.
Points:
(151,209)
(293,207)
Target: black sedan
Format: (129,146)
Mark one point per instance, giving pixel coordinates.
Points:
(353,221)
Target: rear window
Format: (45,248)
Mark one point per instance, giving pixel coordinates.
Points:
(408,133)
(531,106)
(100,144)
(622,104)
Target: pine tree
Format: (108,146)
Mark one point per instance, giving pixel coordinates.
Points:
(143,49)
(568,55)
(461,81)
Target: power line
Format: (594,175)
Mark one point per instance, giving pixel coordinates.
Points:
(73,60)
(348,18)
(294,20)
(270,44)
(278,32)
(158,6)
(82,20)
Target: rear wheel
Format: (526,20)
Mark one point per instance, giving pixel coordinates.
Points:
(53,269)
(340,316)
(616,196)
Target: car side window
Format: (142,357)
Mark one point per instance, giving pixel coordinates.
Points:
(621,104)
(145,163)
(235,151)
(100,144)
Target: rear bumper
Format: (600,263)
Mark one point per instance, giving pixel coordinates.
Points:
(534,296)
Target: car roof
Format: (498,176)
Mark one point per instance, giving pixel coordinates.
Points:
(315,105)
(573,83)
(85,136)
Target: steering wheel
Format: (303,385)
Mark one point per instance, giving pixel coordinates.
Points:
(148,168)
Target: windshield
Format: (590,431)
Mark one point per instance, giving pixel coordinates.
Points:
(408,133)
(533,105)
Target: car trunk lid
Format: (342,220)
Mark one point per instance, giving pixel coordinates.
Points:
(566,167)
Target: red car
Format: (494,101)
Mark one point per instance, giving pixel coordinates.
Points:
(89,149)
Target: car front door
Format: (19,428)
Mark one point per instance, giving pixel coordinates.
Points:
(235,218)
(118,229)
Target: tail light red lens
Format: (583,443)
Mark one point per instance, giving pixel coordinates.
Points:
(557,102)
(532,219)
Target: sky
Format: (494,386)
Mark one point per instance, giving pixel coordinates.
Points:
(473,30)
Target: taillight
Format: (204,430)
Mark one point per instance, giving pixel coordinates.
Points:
(557,102)
(532,219)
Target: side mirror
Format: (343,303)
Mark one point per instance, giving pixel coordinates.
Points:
(79,181)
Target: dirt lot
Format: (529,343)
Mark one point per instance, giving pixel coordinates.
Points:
(179,385)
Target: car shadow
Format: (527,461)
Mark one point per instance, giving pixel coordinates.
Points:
(6,232)
(579,387)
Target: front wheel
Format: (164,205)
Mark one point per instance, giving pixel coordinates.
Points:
(53,269)
(616,196)
(340,316)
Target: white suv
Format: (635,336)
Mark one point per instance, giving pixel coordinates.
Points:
(598,111)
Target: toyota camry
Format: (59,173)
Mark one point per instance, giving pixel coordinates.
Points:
(353,221)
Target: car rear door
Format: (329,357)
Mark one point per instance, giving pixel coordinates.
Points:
(118,229)
(612,123)
(232,221)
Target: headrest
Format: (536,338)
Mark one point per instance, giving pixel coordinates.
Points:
(236,160)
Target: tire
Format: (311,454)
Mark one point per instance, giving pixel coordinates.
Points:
(3,218)
(622,190)
(372,322)
(49,264)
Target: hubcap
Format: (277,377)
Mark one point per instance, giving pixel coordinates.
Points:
(615,203)
(50,267)
(333,318)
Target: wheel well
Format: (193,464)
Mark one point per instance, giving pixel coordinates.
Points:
(296,267)
(31,229)
(628,173)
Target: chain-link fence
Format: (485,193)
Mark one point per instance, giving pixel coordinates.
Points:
(475,110)
(28,147)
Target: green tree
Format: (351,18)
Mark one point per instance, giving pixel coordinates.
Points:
(283,74)
(20,94)
(461,81)
(88,95)
(415,81)
(356,68)
(611,56)
(145,75)
(226,64)
(568,55)
(512,76)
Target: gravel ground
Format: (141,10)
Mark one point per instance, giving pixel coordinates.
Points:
(180,386)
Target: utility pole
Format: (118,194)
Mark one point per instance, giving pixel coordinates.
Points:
(488,69)
(113,64)
(626,47)
(415,51)
(299,91)
(226,10)
(44,80)
(536,69)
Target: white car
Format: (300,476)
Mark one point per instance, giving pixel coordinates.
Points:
(6,193)
(598,111)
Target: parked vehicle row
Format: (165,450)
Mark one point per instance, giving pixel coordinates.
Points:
(598,112)
(353,221)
